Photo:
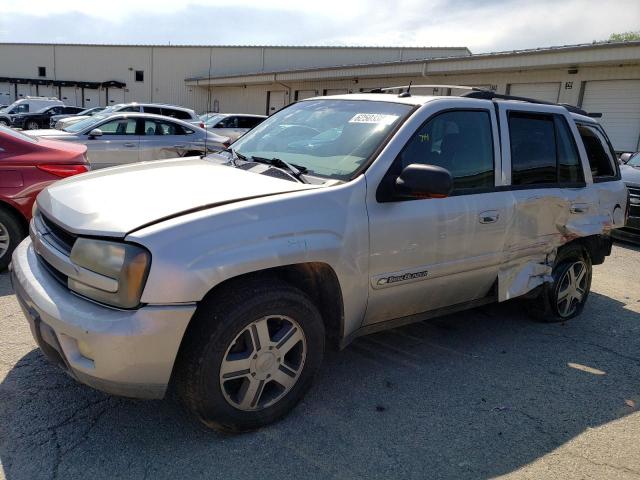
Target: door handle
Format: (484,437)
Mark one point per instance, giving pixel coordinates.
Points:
(129,144)
(179,145)
(489,216)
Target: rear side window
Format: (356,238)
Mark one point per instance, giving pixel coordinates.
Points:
(542,150)
(179,114)
(154,110)
(460,141)
(601,160)
(129,109)
(158,127)
(248,122)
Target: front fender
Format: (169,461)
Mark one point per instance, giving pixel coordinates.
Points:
(194,253)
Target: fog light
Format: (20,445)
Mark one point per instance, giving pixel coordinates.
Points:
(85,349)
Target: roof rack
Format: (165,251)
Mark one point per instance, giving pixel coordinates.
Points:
(483,93)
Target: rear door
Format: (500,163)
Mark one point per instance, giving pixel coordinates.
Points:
(548,181)
(161,139)
(427,254)
(118,144)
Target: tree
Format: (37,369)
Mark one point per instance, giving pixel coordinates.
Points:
(625,36)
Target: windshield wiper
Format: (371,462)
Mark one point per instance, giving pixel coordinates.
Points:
(294,170)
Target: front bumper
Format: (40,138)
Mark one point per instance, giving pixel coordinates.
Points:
(17,122)
(122,352)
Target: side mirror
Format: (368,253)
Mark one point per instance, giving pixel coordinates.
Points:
(424,181)
(96,132)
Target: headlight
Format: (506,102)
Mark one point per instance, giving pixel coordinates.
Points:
(125,263)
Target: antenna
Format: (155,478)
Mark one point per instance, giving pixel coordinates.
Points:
(407,93)
(206,132)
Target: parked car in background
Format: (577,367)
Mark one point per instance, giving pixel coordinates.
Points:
(631,176)
(27,165)
(122,138)
(173,111)
(206,116)
(624,157)
(82,113)
(26,105)
(233,125)
(227,276)
(40,118)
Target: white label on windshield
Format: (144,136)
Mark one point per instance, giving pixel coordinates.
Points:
(374,118)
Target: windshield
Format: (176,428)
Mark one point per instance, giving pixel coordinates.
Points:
(18,135)
(82,124)
(329,138)
(634,161)
(43,109)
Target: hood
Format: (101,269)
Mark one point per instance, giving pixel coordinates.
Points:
(115,201)
(630,174)
(50,133)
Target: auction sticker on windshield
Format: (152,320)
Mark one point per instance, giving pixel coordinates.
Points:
(382,118)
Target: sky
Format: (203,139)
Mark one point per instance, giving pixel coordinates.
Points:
(481,25)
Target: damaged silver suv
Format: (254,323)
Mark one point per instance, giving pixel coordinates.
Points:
(225,277)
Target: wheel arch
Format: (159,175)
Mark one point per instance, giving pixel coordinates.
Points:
(316,279)
(598,247)
(13,211)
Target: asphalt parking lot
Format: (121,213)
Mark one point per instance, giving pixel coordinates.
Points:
(481,394)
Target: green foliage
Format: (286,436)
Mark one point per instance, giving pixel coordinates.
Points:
(625,36)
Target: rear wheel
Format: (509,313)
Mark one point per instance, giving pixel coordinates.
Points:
(250,355)
(32,125)
(11,234)
(566,296)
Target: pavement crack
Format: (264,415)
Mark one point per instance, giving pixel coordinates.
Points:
(605,464)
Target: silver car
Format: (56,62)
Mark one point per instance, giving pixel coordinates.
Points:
(232,125)
(135,137)
(228,275)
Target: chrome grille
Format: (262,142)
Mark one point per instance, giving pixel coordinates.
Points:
(62,237)
(634,198)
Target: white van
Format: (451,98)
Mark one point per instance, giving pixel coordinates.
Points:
(26,105)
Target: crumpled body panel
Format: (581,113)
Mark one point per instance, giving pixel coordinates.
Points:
(544,220)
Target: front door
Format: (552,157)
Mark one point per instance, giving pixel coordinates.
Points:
(431,253)
(118,144)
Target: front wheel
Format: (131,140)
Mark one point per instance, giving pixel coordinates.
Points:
(11,234)
(566,296)
(32,125)
(4,123)
(250,355)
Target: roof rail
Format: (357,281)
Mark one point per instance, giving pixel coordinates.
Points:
(490,95)
(483,93)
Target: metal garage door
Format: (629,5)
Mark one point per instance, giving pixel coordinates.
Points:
(116,95)
(47,91)
(6,93)
(335,91)
(547,91)
(24,90)
(302,94)
(70,96)
(619,103)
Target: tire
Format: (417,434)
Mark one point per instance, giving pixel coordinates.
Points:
(566,296)
(11,234)
(3,123)
(231,326)
(31,125)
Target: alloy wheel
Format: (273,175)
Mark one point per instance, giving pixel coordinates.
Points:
(572,289)
(32,126)
(5,240)
(263,363)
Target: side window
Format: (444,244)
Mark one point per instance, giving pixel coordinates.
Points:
(229,122)
(533,149)
(122,126)
(155,110)
(22,108)
(248,122)
(460,141)
(569,167)
(153,127)
(130,109)
(179,114)
(601,162)
(543,151)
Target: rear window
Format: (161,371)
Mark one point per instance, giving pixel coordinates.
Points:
(15,134)
(543,151)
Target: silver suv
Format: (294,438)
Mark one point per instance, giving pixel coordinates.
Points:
(227,276)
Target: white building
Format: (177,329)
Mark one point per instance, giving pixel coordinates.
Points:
(601,78)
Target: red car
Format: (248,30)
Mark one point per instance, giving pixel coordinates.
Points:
(27,165)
